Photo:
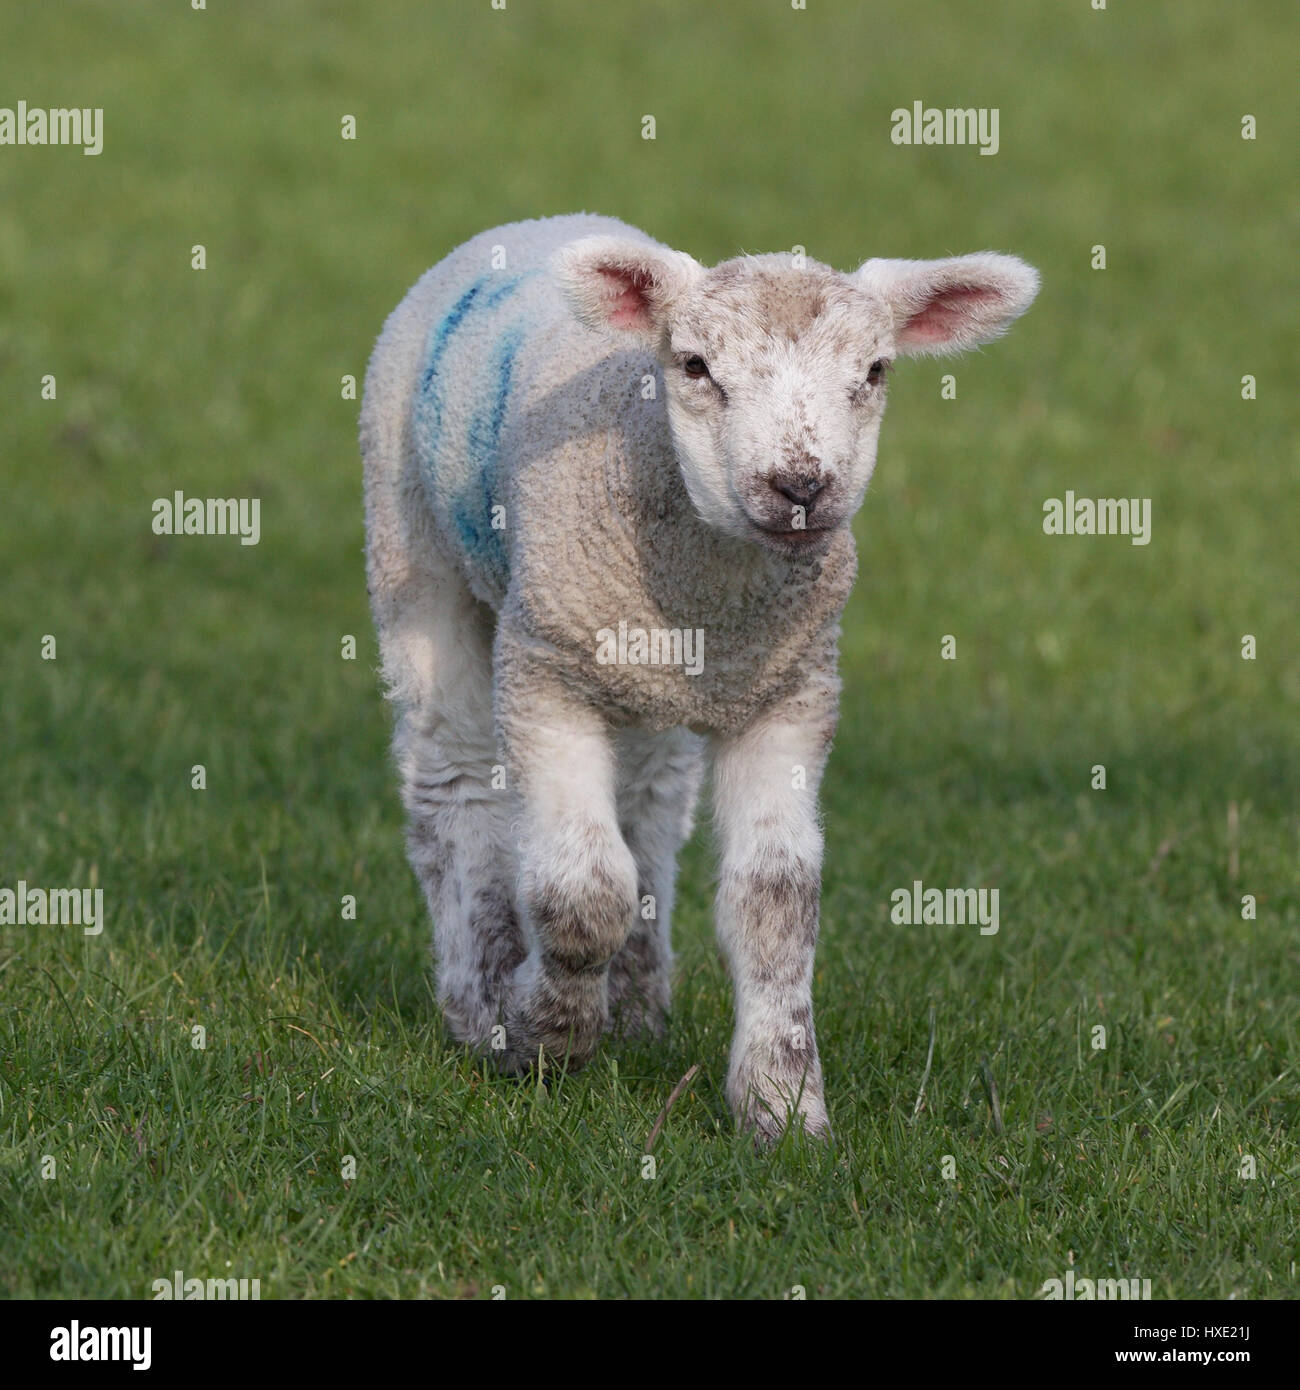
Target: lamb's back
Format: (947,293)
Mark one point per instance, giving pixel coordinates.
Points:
(498,341)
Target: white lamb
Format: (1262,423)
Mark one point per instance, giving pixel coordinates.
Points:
(608,498)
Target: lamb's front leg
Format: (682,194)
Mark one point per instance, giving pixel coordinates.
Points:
(765,809)
(577,877)
(659,780)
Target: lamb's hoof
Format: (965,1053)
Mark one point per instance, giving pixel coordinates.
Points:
(767,1132)
(635,1018)
(558,1054)
(769,1110)
(543,1035)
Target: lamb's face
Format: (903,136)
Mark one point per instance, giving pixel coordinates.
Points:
(775,372)
(775,382)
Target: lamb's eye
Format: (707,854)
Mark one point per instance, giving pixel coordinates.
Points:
(695,367)
(875,375)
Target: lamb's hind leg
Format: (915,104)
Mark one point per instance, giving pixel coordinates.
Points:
(436,642)
(435,638)
(658,784)
(458,829)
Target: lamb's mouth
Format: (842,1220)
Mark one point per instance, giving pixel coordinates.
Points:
(793,542)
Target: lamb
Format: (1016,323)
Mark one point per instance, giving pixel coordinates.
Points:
(571,431)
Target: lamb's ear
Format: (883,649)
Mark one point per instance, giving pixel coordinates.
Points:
(945,306)
(612,282)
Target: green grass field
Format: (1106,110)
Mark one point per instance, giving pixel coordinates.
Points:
(1120,908)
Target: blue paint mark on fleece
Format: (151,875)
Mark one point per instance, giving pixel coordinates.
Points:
(478,295)
(471,509)
(461,476)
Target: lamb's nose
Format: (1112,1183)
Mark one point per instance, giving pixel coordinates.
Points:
(801,491)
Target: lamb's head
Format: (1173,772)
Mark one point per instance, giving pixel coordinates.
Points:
(775,369)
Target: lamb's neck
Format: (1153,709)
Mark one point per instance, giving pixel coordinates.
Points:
(683,560)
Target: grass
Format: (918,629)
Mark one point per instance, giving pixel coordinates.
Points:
(1120,908)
